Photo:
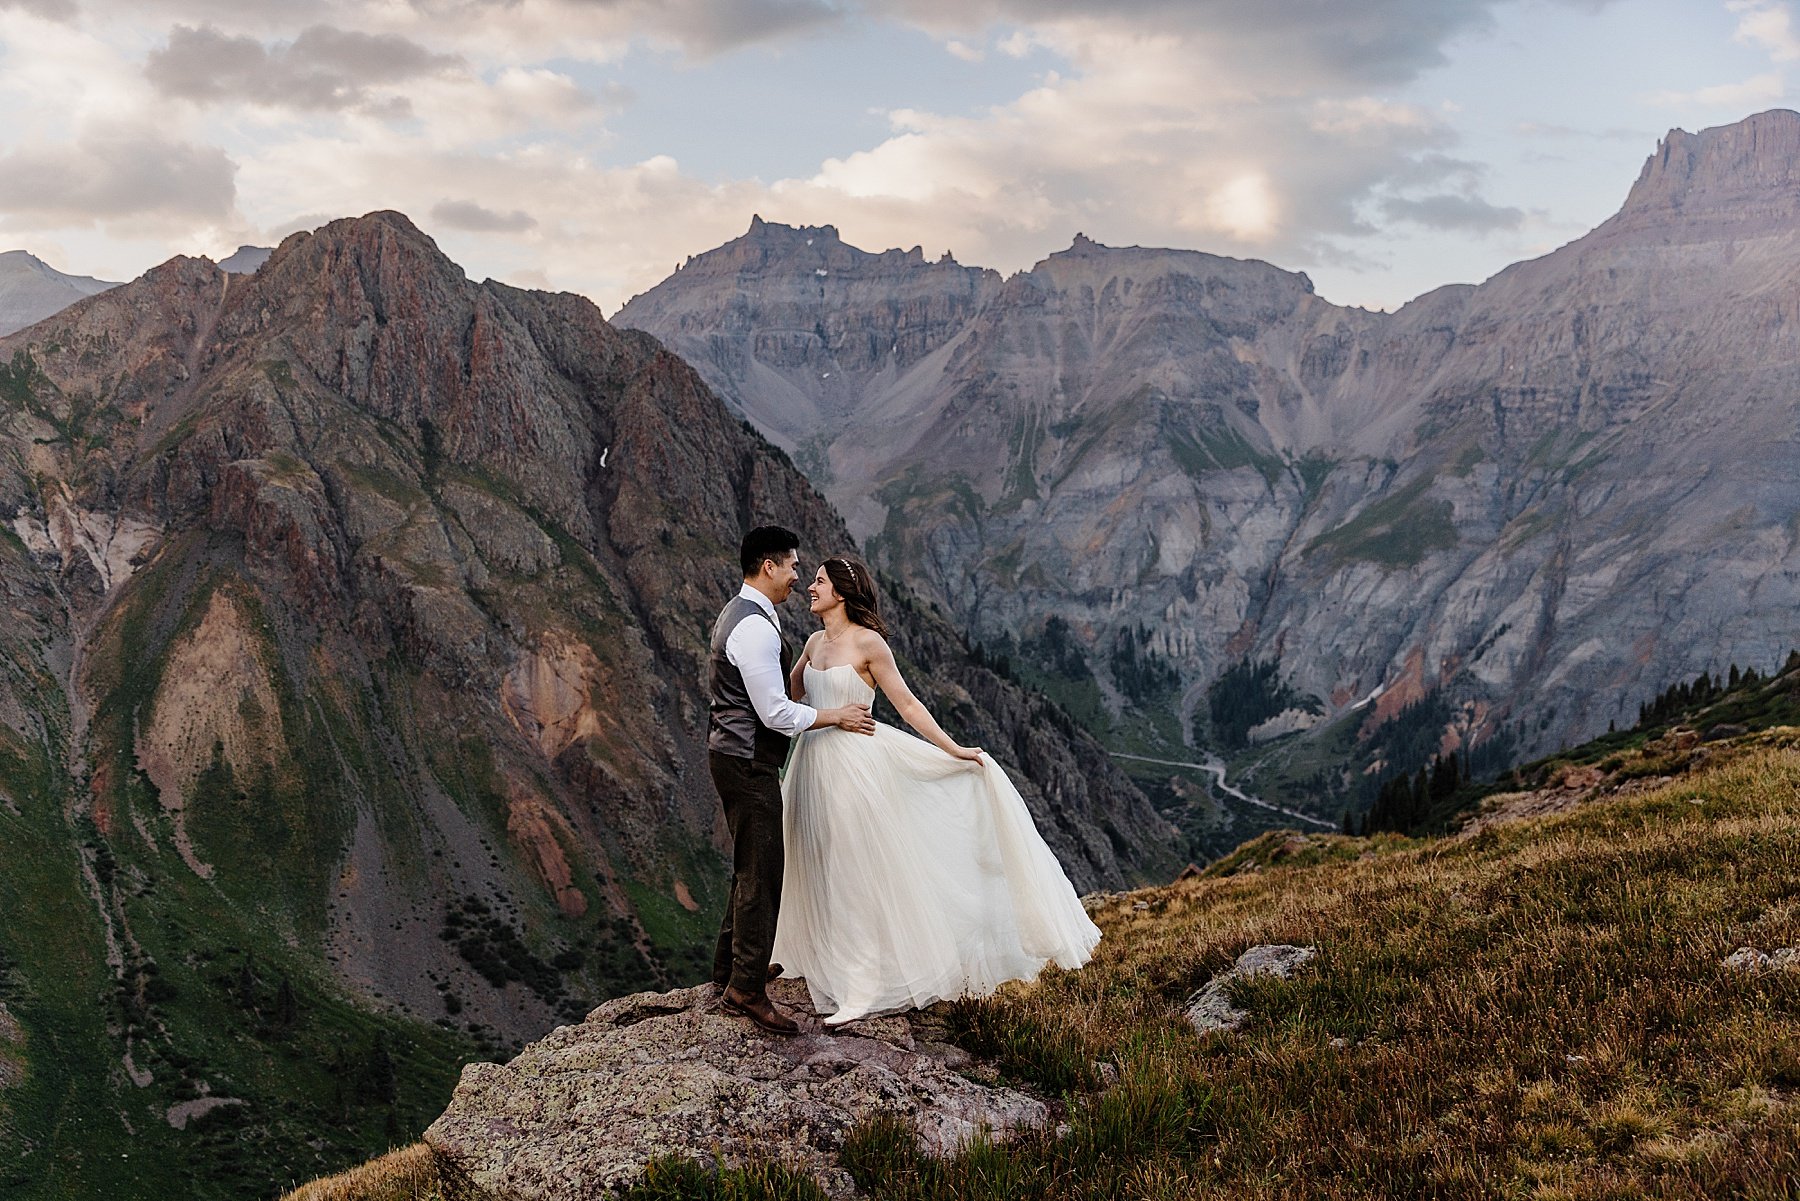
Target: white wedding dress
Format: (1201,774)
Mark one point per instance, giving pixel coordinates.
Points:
(912,876)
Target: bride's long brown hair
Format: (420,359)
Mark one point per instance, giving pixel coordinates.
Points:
(851,578)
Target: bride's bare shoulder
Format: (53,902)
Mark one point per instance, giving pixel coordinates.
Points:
(871,643)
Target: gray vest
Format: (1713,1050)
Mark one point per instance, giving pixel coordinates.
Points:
(735,729)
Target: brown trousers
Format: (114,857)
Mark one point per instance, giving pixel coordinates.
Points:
(751,792)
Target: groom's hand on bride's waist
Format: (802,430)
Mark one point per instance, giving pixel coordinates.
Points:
(855,718)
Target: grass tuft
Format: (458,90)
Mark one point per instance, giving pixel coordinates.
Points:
(676,1179)
(409,1174)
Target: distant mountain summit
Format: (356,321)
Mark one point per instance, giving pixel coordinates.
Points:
(31,290)
(1739,175)
(1189,487)
(246,259)
(792,324)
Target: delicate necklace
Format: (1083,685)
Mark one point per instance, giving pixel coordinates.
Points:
(840,633)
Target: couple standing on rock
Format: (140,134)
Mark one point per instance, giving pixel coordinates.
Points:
(886,870)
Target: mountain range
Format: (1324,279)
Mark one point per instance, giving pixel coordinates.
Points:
(1194,489)
(351,702)
(351,719)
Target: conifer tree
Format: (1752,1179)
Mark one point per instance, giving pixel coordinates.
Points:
(381,1082)
(287,1006)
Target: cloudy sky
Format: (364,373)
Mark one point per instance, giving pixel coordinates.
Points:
(1383,146)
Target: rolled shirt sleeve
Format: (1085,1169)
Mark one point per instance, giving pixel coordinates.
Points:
(754,648)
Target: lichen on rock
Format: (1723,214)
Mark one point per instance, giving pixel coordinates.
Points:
(582,1111)
(1210,1008)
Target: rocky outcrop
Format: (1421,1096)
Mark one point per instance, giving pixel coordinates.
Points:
(579,1113)
(1749,959)
(1534,503)
(1211,1008)
(12,1040)
(1741,176)
(792,324)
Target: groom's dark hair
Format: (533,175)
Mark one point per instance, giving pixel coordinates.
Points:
(766,542)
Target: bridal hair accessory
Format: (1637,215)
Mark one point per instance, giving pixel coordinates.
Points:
(851,568)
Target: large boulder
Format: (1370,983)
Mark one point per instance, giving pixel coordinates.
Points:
(582,1111)
(1210,1008)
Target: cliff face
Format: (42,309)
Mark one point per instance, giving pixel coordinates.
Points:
(1536,501)
(354,684)
(1741,176)
(799,329)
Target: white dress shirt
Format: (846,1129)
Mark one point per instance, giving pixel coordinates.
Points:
(754,648)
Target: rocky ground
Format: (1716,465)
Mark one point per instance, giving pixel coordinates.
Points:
(587,1108)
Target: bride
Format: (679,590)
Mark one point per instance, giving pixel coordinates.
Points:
(914,872)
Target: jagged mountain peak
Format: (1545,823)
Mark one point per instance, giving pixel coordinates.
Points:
(25,260)
(1138,275)
(772,248)
(1745,172)
(778,232)
(380,233)
(378,266)
(845,317)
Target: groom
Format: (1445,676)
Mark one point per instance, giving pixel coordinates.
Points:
(747,741)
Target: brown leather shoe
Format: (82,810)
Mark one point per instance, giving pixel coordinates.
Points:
(758,1009)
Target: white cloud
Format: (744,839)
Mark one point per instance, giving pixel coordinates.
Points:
(1142,141)
(50,10)
(324,68)
(467,215)
(1260,127)
(1769,24)
(131,177)
(1450,211)
(1758,91)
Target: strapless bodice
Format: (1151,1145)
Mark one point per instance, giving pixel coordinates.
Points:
(830,687)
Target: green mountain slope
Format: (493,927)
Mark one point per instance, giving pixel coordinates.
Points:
(351,712)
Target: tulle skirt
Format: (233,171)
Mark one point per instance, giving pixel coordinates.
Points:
(913,876)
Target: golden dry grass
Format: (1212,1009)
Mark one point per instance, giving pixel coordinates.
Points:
(1537,1011)
(408,1174)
